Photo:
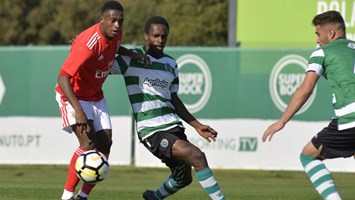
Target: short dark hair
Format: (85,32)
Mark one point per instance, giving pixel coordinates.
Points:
(329,17)
(155,20)
(111,5)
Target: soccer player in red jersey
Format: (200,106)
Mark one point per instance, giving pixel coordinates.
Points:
(79,89)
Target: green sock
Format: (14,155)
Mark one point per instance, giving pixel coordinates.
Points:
(168,188)
(209,184)
(320,177)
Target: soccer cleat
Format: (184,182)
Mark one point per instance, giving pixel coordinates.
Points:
(149,195)
(71,198)
(78,197)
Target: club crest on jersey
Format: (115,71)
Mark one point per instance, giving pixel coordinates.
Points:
(351,45)
(168,68)
(164,143)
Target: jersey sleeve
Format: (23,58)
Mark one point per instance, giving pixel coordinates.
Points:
(315,62)
(120,65)
(115,68)
(78,56)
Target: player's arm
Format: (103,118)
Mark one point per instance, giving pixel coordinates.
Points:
(204,130)
(298,99)
(69,68)
(67,89)
(134,55)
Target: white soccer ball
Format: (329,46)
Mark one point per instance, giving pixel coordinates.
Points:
(92,166)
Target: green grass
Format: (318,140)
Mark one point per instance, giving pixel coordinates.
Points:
(128,183)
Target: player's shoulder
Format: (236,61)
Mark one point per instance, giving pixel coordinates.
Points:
(89,37)
(338,46)
(169,60)
(168,56)
(138,50)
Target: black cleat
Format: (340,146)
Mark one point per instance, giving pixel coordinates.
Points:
(150,195)
(78,197)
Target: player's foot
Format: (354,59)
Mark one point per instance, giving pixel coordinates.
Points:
(149,195)
(71,198)
(78,197)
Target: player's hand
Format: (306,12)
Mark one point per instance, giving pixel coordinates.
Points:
(145,60)
(142,58)
(271,130)
(82,122)
(207,132)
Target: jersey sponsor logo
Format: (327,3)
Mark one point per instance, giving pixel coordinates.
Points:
(195,82)
(102,74)
(286,76)
(155,83)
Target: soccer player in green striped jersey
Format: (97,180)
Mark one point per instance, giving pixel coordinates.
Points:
(335,61)
(157,108)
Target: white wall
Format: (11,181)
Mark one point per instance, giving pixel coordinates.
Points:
(33,140)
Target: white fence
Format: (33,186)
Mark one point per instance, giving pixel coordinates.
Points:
(33,140)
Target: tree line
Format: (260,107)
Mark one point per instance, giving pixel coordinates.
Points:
(55,22)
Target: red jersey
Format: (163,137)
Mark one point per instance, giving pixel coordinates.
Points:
(89,62)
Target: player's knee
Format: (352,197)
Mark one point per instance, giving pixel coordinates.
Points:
(199,159)
(88,145)
(198,155)
(105,145)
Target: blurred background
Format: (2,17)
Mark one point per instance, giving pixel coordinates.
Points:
(47,22)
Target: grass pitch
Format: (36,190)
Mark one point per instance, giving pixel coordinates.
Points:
(34,182)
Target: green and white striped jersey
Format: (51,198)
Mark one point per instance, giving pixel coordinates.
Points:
(149,90)
(336,62)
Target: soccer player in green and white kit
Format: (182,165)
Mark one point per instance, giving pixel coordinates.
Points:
(334,60)
(153,95)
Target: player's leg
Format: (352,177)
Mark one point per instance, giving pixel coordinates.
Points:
(172,146)
(328,143)
(102,123)
(318,174)
(180,177)
(87,141)
(189,153)
(104,143)
(160,145)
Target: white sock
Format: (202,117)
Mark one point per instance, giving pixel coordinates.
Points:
(333,196)
(67,194)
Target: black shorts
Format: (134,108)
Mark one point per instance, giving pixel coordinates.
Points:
(161,142)
(335,143)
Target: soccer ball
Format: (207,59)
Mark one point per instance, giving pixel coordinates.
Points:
(92,166)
